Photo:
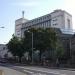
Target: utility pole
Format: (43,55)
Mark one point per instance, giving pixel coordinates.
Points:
(70,45)
(32,47)
(31,44)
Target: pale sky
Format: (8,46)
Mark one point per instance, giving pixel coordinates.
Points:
(10,10)
(70,7)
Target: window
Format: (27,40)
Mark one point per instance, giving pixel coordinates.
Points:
(18,30)
(4,48)
(55,24)
(18,34)
(68,21)
(40,19)
(35,21)
(54,20)
(41,24)
(49,22)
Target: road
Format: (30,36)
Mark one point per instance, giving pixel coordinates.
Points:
(32,70)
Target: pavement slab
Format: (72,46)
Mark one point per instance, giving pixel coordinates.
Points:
(8,71)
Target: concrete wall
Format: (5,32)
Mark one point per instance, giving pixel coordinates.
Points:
(18,26)
(56,19)
(4,51)
(59,19)
(66,18)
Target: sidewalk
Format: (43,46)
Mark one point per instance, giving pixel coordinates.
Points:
(8,71)
(60,68)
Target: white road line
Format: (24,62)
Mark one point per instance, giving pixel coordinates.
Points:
(38,74)
(28,71)
(33,73)
(42,71)
(62,74)
(55,72)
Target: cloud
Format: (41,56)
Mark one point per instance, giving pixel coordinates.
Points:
(26,4)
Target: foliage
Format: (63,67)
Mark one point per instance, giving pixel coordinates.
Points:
(15,46)
(43,39)
(59,49)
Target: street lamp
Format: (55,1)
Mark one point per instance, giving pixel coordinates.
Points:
(32,45)
(70,45)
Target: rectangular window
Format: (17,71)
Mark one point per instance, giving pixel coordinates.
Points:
(54,20)
(49,23)
(68,21)
(55,24)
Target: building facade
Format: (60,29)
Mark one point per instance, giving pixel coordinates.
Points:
(57,19)
(4,51)
(18,26)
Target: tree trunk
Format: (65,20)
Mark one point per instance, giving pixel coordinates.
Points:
(20,59)
(40,56)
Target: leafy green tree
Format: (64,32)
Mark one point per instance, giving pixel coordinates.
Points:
(59,52)
(15,46)
(46,40)
(43,39)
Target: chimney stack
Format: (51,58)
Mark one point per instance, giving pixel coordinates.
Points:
(22,14)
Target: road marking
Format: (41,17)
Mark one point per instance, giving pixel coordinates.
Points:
(55,72)
(63,74)
(38,74)
(43,71)
(28,71)
(34,73)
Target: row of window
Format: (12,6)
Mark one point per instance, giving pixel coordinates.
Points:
(48,22)
(38,20)
(44,24)
(3,48)
(54,21)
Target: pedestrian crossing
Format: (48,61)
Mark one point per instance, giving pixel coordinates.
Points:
(36,71)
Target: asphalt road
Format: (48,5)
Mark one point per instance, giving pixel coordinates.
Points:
(30,70)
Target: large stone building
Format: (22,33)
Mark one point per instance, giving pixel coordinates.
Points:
(18,26)
(57,19)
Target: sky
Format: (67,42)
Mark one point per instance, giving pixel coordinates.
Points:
(10,10)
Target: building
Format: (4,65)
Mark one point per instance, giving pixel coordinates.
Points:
(18,25)
(57,19)
(4,51)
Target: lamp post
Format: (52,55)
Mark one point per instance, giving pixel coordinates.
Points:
(32,44)
(32,47)
(70,46)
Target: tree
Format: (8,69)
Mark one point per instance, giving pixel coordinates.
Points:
(15,46)
(59,51)
(43,39)
(46,40)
